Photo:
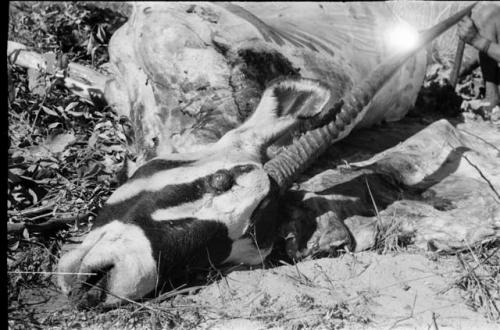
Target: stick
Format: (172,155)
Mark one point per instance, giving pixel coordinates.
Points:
(51,225)
(79,79)
(458,62)
(34,210)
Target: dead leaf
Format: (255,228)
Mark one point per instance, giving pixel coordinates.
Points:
(17,171)
(51,62)
(50,111)
(112,148)
(92,140)
(36,82)
(58,142)
(54,125)
(93,170)
(52,145)
(101,34)
(71,106)
(14,246)
(75,113)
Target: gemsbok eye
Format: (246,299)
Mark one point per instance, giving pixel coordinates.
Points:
(221,181)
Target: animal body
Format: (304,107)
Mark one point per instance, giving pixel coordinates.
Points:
(221,204)
(185,73)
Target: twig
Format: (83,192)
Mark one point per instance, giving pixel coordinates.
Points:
(37,113)
(483,176)
(80,80)
(412,315)
(40,216)
(480,138)
(51,225)
(476,259)
(482,288)
(492,187)
(325,275)
(379,221)
(113,305)
(133,302)
(175,292)
(32,210)
(434,321)
(468,272)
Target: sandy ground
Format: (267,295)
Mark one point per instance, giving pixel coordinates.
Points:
(355,291)
(400,290)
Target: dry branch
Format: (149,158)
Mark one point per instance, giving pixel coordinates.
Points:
(32,210)
(79,79)
(49,226)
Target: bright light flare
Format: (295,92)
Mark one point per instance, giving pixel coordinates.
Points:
(401,38)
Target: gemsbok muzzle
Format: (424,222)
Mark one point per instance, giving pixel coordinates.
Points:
(183,212)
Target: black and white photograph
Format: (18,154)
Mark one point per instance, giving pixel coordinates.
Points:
(253,165)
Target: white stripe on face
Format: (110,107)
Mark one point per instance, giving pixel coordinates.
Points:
(233,207)
(182,174)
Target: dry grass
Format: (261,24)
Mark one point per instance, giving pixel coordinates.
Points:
(63,152)
(481,279)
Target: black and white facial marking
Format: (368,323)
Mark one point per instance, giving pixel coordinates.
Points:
(209,189)
(189,211)
(174,214)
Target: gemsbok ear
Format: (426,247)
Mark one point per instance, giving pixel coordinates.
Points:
(297,97)
(283,102)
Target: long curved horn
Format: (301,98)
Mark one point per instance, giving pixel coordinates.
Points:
(292,161)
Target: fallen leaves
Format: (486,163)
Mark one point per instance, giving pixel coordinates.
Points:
(63,151)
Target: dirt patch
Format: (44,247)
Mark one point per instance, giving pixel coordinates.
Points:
(355,291)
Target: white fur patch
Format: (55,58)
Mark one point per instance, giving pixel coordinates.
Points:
(266,110)
(233,208)
(265,114)
(243,251)
(179,175)
(122,246)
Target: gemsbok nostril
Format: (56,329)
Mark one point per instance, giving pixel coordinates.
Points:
(90,290)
